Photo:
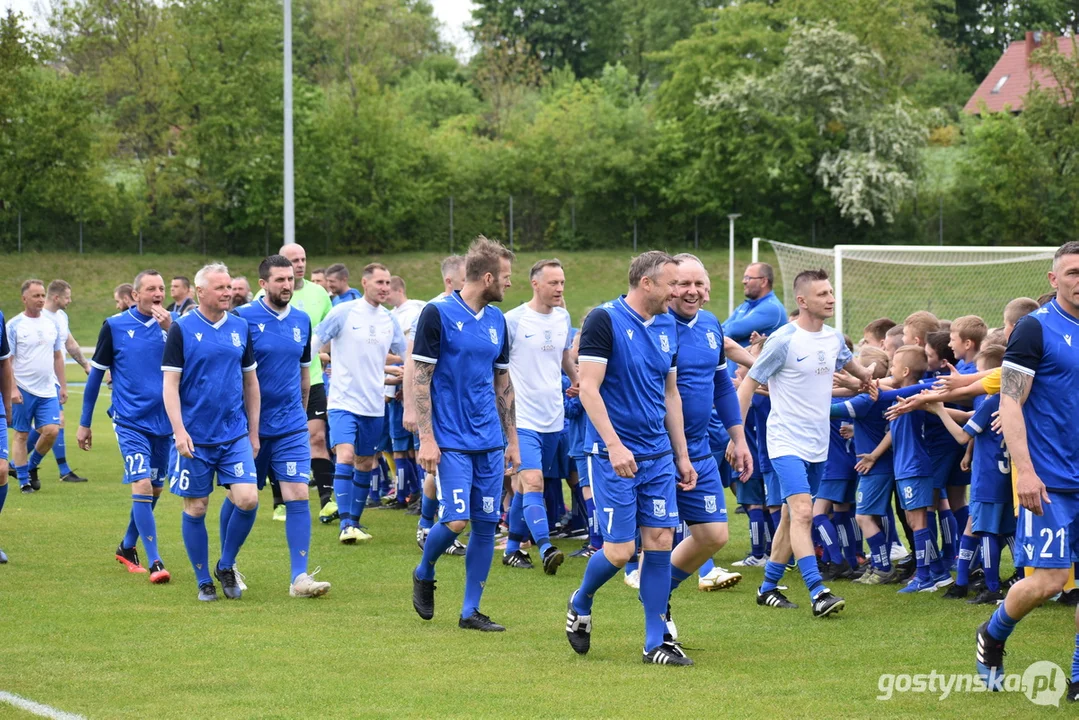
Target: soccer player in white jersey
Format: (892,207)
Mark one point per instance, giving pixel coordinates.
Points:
(402,441)
(797,363)
(38,363)
(540,350)
(359,336)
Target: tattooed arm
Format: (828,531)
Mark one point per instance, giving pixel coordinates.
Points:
(429,454)
(73,349)
(1014,390)
(507,414)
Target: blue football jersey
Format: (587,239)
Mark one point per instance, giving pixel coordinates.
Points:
(718,437)
(282,345)
(841,460)
(5,349)
(909,456)
(1045,345)
(465,347)
(211,359)
(870,425)
(127,345)
(639,355)
(702,377)
(991,468)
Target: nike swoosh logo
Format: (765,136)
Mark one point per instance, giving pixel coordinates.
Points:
(528,336)
(320,413)
(355,327)
(802,358)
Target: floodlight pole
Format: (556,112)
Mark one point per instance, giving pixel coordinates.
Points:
(290,195)
(730,278)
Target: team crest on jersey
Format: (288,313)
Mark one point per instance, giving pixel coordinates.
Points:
(238,469)
(494,335)
(820,356)
(664,343)
(296,334)
(488,504)
(709,503)
(548,344)
(262,327)
(290,468)
(154,473)
(198,336)
(711,339)
(236,339)
(131,333)
(659,508)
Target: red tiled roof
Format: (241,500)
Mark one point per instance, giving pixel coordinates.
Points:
(1022,75)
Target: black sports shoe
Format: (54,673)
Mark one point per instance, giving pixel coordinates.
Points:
(827,604)
(27,490)
(986,597)
(229,586)
(669,653)
(35,481)
(552,559)
(989,658)
(905,569)
(71,477)
(479,621)
(977,575)
(774,598)
(517,559)
(423,597)
(129,558)
(1069,597)
(1073,691)
(956,592)
(578,628)
(207,592)
(834,571)
(1007,584)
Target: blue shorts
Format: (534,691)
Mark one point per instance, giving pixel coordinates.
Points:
(385,443)
(34,412)
(231,462)
(3,438)
(284,459)
(995,518)
(724,468)
(915,493)
(559,466)
(704,503)
(946,470)
(578,464)
(623,504)
(1050,540)
(363,433)
(146,457)
(537,449)
(400,439)
(838,491)
(874,492)
(750,492)
(469,485)
(797,476)
(773,494)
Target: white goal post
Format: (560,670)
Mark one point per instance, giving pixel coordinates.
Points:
(873,281)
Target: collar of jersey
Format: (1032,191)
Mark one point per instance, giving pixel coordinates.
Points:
(634,313)
(139,317)
(279,315)
(457,296)
(1060,311)
(688,323)
(216,326)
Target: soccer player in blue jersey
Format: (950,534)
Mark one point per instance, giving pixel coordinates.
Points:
(142,428)
(281,340)
(466,412)
(797,363)
(6,383)
(1039,411)
(337,283)
(636,446)
(359,336)
(211,395)
(703,383)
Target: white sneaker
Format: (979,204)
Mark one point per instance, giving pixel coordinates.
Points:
(633,579)
(239,579)
(421,536)
(897,553)
(306,586)
(751,561)
(718,579)
(352,534)
(672,629)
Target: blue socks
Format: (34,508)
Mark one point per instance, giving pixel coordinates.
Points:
(239,528)
(35,459)
(811,575)
(756,532)
(1001,625)
(22,472)
(850,540)
(297,535)
(223,519)
(131,536)
(342,490)
(595,539)
(962,516)
(773,573)
(828,538)
(709,566)
(948,535)
(518,528)
(481,549)
(535,514)
(440,538)
(597,572)
(59,451)
(879,552)
(197,544)
(677,576)
(922,541)
(967,546)
(428,508)
(655,591)
(991,561)
(142,516)
(361,486)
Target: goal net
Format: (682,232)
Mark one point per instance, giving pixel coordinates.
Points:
(873,281)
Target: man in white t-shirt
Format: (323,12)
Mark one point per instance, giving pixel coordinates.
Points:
(38,365)
(540,341)
(359,336)
(403,442)
(797,363)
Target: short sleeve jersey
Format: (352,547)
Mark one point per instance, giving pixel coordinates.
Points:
(127,345)
(407,313)
(33,342)
(282,346)
(537,341)
(1045,346)
(466,347)
(909,456)
(211,359)
(313,299)
(639,355)
(991,472)
(797,365)
(701,365)
(62,321)
(361,335)
(870,427)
